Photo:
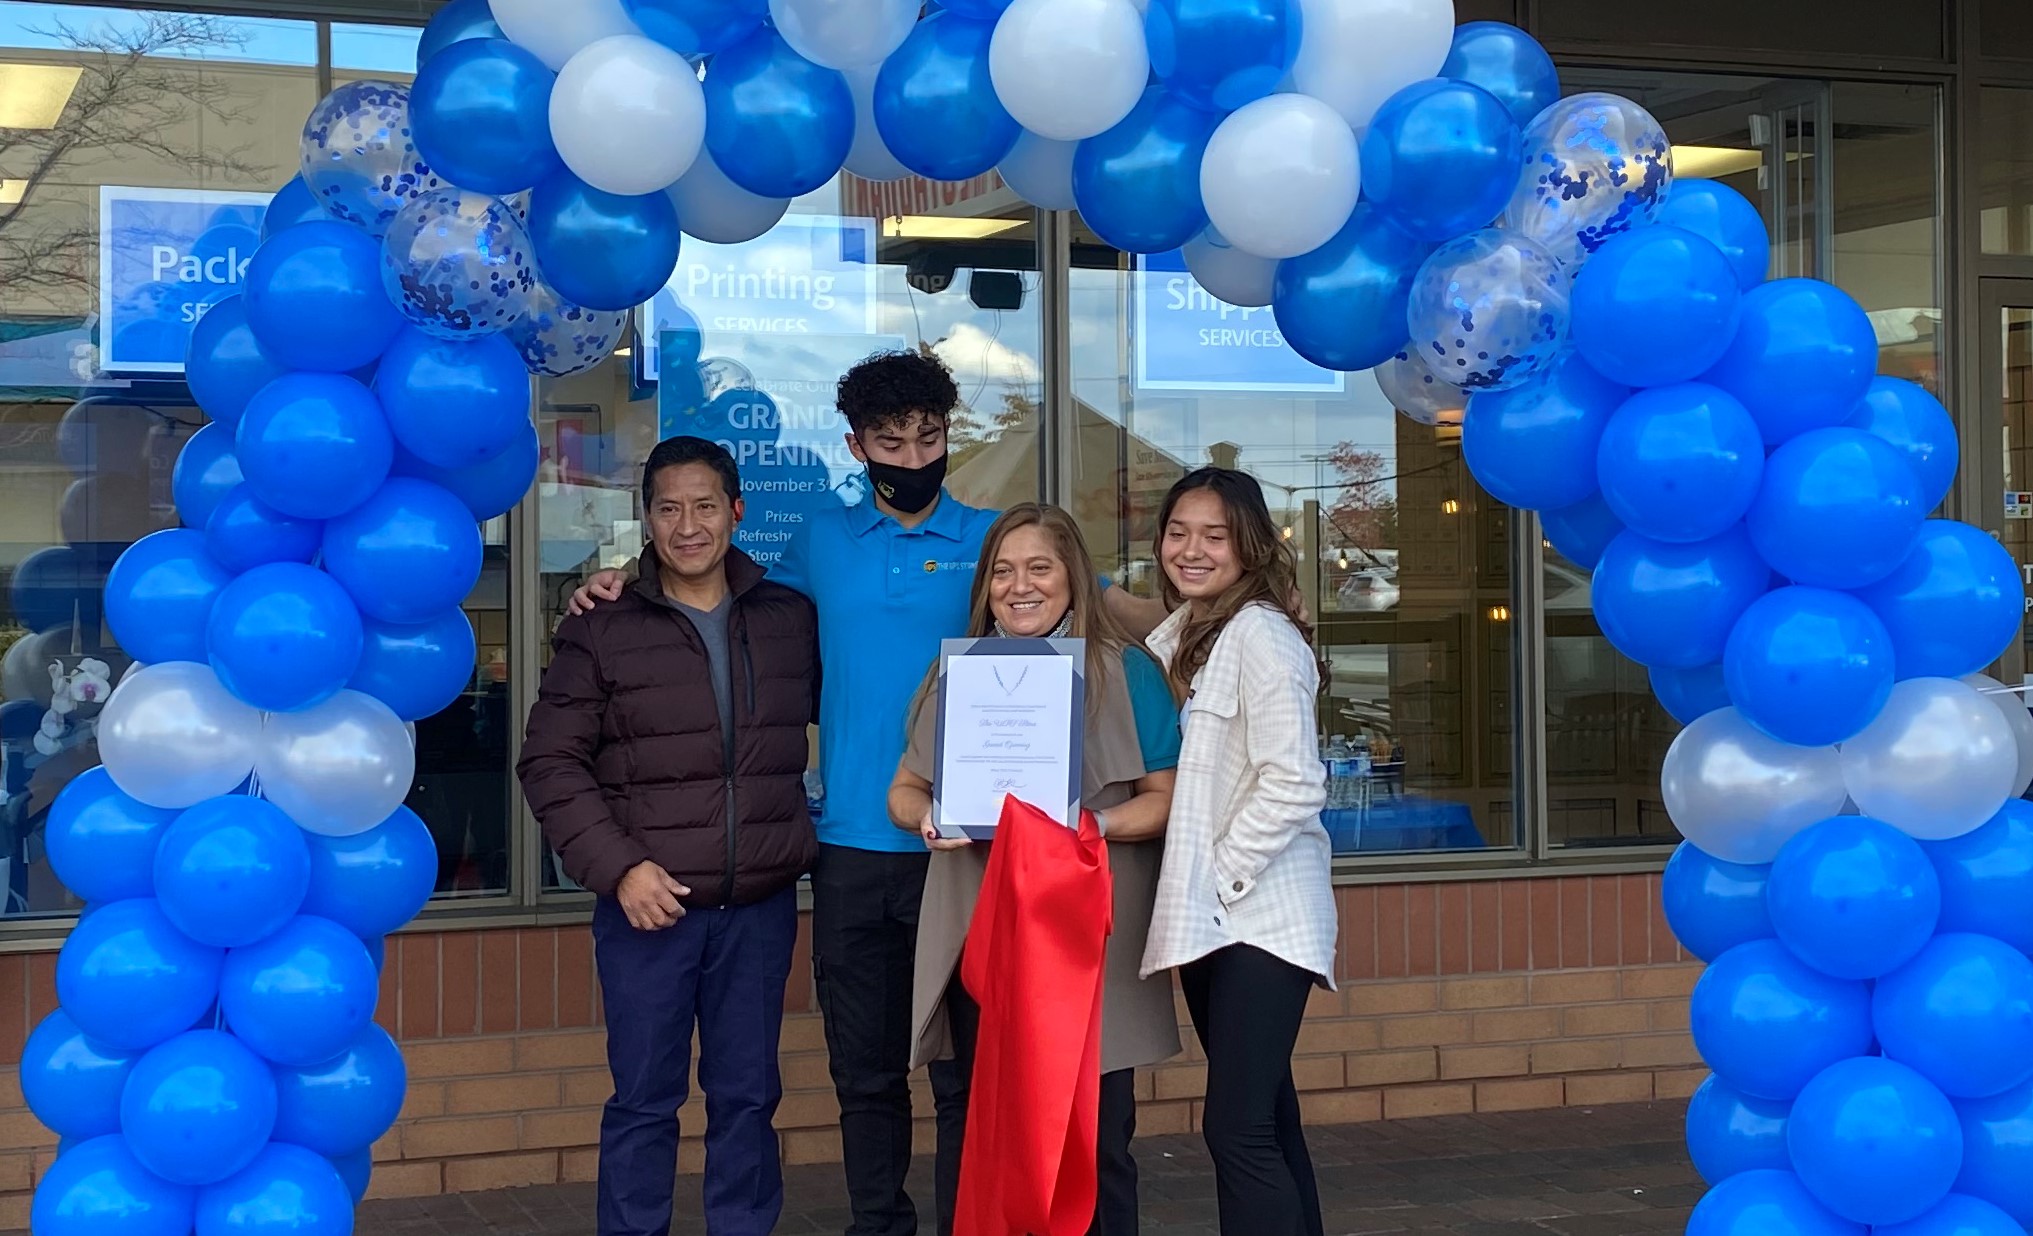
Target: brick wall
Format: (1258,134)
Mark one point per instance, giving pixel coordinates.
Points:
(1479,996)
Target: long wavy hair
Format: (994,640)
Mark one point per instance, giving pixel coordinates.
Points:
(1106,638)
(1270,573)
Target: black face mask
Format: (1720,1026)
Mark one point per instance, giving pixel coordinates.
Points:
(909,490)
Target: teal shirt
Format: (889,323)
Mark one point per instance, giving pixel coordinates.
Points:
(1157,715)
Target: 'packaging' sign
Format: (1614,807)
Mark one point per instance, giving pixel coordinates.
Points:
(166,256)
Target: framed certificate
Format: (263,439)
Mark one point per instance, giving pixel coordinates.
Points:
(1010,722)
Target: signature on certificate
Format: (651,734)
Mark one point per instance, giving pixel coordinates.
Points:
(1008,783)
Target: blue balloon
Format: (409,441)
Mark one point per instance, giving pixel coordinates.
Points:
(1853,897)
(71,1083)
(231,870)
(935,106)
(160,594)
(1138,188)
(377,950)
(417,670)
(100,842)
(98,1188)
(373,882)
(1441,157)
(285,1190)
(694,28)
(341,1105)
(1809,666)
(1997,1144)
(292,204)
(1987,877)
(130,979)
(1804,353)
(1674,605)
(301,995)
(1536,446)
(600,249)
(1581,531)
(1341,306)
(244,532)
(407,554)
(1221,54)
(1953,605)
(357,1170)
(457,264)
(225,364)
(1839,508)
(1713,906)
(49,585)
(1958,1215)
(1913,421)
(1961,1012)
(314,301)
(1729,1133)
(206,469)
(314,445)
(490,489)
(480,112)
(1689,694)
(458,21)
(453,404)
(1726,219)
(1655,306)
(1875,1141)
(198,1108)
(1679,463)
(776,124)
(1767,1024)
(1765,1202)
(1507,62)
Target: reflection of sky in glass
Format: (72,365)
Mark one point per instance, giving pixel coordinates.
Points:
(249,40)
(375,49)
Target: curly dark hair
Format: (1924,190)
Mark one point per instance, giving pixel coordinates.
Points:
(890,388)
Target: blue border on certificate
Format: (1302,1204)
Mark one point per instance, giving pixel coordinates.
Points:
(1013,646)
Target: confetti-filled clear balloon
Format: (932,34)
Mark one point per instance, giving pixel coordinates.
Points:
(1417,392)
(359,158)
(558,338)
(1490,310)
(458,264)
(1595,165)
(718,375)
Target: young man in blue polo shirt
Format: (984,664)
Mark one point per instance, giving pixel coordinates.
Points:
(891,578)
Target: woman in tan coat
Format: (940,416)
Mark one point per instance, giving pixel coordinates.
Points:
(1036,580)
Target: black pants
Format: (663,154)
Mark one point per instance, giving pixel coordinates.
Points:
(1246,1007)
(1115,1208)
(864,941)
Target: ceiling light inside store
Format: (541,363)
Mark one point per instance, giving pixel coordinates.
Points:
(12,191)
(1710,162)
(940,227)
(33,96)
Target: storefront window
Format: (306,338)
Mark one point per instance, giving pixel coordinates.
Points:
(2005,139)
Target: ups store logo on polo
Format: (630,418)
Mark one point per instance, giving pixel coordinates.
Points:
(933,566)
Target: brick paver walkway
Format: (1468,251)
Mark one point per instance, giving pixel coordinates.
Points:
(1612,1171)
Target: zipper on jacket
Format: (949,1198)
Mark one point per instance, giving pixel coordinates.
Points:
(733,817)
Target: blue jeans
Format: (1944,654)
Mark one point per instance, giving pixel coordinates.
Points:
(723,971)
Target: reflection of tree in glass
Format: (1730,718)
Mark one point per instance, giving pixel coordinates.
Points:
(1364,513)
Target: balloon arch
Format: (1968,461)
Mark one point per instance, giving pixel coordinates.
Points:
(1753,501)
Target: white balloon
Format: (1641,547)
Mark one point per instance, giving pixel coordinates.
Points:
(1069,69)
(1938,761)
(1280,176)
(844,34)
(1354,54)
(2013,705)
(1738,795)
(628,115)
(338,769)
(868,158)
(555,30)
(173,736)
(1040,171)
(1227,273)
(714,209)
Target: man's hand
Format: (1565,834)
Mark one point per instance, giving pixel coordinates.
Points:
(933,841)
(604,586)
(649,897)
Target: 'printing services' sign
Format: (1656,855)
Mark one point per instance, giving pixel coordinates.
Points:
(1186,340)
(165,257)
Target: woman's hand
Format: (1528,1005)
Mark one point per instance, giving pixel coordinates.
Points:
(603,586)
(933,841)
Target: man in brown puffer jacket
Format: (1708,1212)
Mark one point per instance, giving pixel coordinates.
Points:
(665,758)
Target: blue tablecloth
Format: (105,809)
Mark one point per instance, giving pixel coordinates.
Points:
(1398,822)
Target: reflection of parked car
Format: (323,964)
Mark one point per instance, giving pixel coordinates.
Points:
(1368,591)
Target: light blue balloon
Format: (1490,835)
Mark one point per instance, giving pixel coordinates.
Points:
(71,1083)
(100,842)
(301,995)
(373,882)
(1507,62)
(1655,306)
(226,365)
(160,594)
(1580,532)
(130,979)
(1726,219)
(458,264)
(341,1105)
(359,156)
(1138,184)
(454,404)
(1713,906)
(1987,877)
(292,204)
(1342,306)
(1958,1215)
(98,1188)
(1767,1024)
(286,1189)
(419,669)
(456,22)
(205,471)
(231,870)
(407,554)
(602,250)
(1803,355)
(1839,508)
(1914,422)
(1874,1141)
(1535,447)
(314,445)
(1222,54)
(1680,463)
(1689,694)
(314,299)
(1490,310)
(935,106)
(1961,1012)
(1809,666)
(244,532)
(489,489)
(1953,605)
(1766,1203)
(480,112)
(1997,1143)
(198,1108)
(776,124)
(1440,158)
(1853,897)
(695,28)
(1729,1132)
(1674,605)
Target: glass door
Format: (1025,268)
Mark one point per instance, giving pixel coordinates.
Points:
(2007,325)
